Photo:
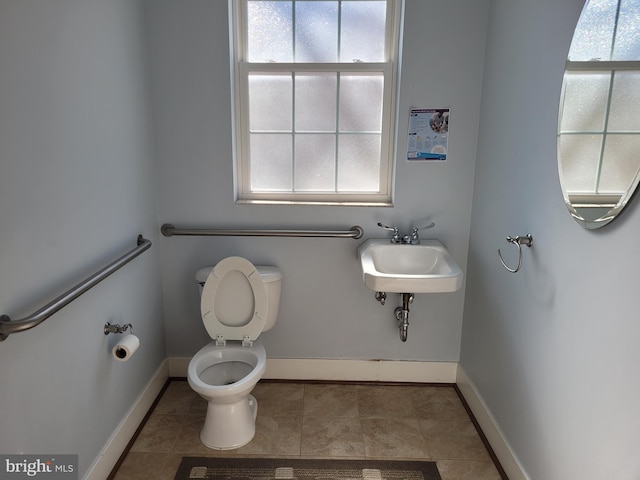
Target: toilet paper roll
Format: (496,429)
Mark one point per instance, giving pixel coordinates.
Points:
(126,347)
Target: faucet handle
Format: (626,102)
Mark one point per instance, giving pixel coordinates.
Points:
(414,234)
(396,234)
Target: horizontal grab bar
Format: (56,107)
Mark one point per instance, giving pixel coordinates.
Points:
(8,326)
(355,232)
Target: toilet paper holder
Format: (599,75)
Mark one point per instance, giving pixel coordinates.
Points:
(108,328)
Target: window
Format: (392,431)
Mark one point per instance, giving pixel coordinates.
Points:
(599,125)
(315,100)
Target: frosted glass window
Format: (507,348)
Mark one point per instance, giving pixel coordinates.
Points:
(585,101)
(269,31)
(361,102)
(270,102)
(356,43)
(316,32)
(271,162)
(580,162)
(620,163)
(315,168)
(593,36)
(627,44)
(315,100)
(625,103)
(358,162)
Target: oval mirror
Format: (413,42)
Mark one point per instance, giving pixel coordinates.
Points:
(599,119)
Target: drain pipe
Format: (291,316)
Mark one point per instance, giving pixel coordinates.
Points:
(402,315)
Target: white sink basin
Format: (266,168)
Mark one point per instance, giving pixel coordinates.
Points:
(424,268)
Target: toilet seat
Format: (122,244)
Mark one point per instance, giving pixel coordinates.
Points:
(234,302)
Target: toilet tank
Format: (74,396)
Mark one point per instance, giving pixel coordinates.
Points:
(272,278)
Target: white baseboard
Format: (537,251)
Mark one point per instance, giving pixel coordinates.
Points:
(490,428)
(345,370)
(361,370)
(104,463)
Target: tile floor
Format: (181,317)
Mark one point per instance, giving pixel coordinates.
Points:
(343,421)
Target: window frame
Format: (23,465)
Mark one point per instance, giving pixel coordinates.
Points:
(241,70)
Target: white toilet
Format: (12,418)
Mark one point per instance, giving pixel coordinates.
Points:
(238,302)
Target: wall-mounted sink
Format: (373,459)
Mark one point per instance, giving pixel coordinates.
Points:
(424,268)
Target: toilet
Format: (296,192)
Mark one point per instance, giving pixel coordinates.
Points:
(238,302)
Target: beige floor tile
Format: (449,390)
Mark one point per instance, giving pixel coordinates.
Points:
(170,466)
(332,437)
(385,401)
(453,439)
(467,470)
(279,399)
(393,438)
(141,466)
(323,400)
(275,436)
(438,403)
(159,433)
(178,398)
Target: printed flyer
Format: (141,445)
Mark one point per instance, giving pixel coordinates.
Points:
(428,134)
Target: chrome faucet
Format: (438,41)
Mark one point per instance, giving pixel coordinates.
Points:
(412,239)
(395,238)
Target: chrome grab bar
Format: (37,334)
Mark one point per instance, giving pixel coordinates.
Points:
(355,232)
(8,326)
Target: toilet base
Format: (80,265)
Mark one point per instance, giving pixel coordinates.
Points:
(230,425)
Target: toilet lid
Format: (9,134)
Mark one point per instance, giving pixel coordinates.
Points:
(234,301)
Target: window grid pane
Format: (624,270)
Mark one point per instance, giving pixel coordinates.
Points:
(316,31)
(585,101)
(627,41)
(271,159)
(315,163)
(269,27)
(270,102)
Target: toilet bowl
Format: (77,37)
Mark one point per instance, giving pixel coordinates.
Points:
(238,302)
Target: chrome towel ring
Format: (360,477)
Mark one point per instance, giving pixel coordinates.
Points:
(518,241)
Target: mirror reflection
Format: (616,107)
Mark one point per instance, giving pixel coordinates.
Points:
(599,124)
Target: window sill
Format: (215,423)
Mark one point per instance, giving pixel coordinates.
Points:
(313,202)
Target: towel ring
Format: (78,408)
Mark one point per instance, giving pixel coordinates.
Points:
(518,241)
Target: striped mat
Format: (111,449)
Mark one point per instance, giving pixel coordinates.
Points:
(303,469)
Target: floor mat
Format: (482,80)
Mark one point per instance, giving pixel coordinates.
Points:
(303,469)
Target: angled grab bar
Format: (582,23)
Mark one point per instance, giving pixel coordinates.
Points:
(8,326)
(518,241)
(169,230)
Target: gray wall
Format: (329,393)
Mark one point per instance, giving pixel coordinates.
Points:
(76,188)
(553,350)
(326,311)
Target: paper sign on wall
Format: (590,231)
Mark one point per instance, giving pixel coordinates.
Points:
(428,134)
